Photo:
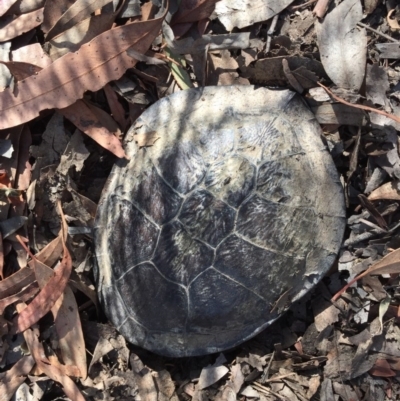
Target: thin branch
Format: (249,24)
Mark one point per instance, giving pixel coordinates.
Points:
(377,32)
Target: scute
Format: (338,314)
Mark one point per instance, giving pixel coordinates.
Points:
(205,238)
(207,218)
(240,260)
(231,179)
(218,301)
(140,286)
(176,250)
(132,238)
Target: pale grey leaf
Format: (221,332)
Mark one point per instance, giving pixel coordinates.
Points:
(343,45)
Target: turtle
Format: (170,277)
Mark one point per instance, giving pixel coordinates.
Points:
(228,210)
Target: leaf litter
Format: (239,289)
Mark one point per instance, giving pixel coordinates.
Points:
(78,76)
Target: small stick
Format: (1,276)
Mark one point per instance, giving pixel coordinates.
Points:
(377,32)
(359,106)
(304,5)
(271,30)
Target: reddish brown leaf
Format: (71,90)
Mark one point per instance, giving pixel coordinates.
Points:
(382,368)
(78,12)
(44,364)
(116,108)
(14,377)
(1,257)
(51,252)
(47,297)
(21,70)
(193,10)
(16,282)
(67,322)
(24,295)
(86,118)
(53,10)
(390,264)
(21,24)
(63,82)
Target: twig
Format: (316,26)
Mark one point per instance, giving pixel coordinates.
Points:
(377,32)
(359,106)
(271,30)
(303,5)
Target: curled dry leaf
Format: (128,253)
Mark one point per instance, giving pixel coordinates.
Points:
(21,24)
(48,296)
(241,13)
(63,82)
(392,22)
(66,321)
(5,5)
(16,282)
(78,12)
(390,190)
(343,45)
(193,10)
(37,351)
(389,264)
(13,378)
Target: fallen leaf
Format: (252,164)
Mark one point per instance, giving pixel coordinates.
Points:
(74,155)
(94,123)
(241,13)
(390,190)
(79,11)
(53,10)
(83,32)
(389,264)
(117,111)
(63,82)
(392,22)
(37,351)
(193,11)
(66,320)
(25,6)
(5,5)
(343,45)
(49,294)
(382,368)
(16,282)
(211,374)
(21,24)
(14,377)
(377,84)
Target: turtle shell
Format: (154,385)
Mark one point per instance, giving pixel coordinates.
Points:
(205,238)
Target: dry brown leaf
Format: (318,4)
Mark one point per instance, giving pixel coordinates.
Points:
(14,377)
(116,108)
(389,264)
(24,295)
(21,24)
(53,10)
(78,12)
(32,54)
(16,282)
(95,123)
(63,82)
(83,32)
(37,351)
(25,6)
(392,22)
(5,5)
(390,190)
(382,368)
(193,10)
(51,253)
(47,297)
(67,321)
